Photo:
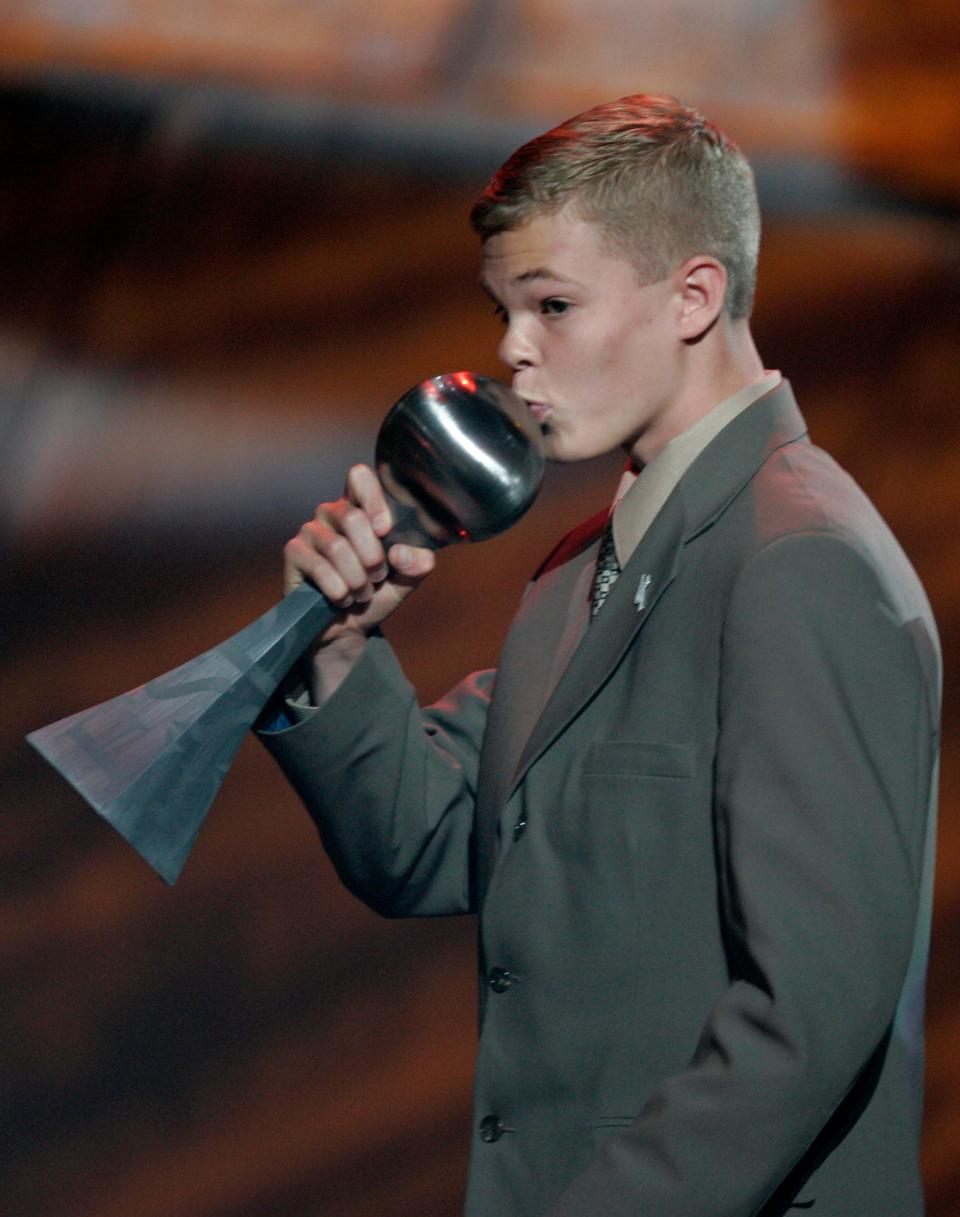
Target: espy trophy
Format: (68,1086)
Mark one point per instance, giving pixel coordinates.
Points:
(461,459)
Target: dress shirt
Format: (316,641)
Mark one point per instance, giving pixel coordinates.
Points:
(642,493)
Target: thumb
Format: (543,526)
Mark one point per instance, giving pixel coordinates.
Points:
(410,561)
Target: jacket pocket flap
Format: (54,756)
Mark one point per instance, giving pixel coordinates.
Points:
(611,758)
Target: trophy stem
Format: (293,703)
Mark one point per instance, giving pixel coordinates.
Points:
(151,760)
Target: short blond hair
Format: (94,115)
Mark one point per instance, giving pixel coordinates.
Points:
(653,175)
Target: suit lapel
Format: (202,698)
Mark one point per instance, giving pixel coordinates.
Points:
(543,635)
(649,572)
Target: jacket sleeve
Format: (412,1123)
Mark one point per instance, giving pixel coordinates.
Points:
(823,783)
(391,787)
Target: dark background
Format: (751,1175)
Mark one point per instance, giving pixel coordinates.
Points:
(231,234)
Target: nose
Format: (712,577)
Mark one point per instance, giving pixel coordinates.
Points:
(517,348)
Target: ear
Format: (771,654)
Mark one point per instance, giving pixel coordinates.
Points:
(702,281)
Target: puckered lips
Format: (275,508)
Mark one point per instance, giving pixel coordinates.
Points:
(539,409)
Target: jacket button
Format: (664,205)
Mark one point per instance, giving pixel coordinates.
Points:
(500,979)
(519,827)
(491,1128)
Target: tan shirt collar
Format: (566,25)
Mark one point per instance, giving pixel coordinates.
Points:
(641,495)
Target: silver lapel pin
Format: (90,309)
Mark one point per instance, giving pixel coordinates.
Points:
(640,596)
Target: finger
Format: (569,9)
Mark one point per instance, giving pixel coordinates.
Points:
(303,561)
(365,491)
(356,526)
(338,550)
(326,557)
(411,561)
(343,534)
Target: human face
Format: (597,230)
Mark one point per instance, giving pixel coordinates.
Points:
(594,351)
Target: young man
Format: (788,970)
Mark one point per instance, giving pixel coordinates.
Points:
(693,808)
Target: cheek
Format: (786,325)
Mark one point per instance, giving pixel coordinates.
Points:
(619,351)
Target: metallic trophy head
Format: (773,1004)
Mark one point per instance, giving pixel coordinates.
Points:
(465,452)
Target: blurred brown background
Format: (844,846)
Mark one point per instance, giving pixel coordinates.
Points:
(232,233)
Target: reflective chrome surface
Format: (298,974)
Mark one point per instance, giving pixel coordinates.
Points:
(466,451)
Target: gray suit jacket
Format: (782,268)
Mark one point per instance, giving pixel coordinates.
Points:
(700,841)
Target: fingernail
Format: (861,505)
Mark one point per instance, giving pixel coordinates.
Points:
(382,520)
(378,575)
(401,555)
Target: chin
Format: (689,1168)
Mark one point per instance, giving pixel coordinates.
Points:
(568,453)
(556,446)
(556,451)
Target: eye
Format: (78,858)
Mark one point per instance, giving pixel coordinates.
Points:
(553,306)
(501,314)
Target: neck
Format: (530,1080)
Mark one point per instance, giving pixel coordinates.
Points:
(708,371)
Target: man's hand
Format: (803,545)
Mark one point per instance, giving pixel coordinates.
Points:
(341,551)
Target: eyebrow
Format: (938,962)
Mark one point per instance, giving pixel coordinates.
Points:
(542,272)
(529,276)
